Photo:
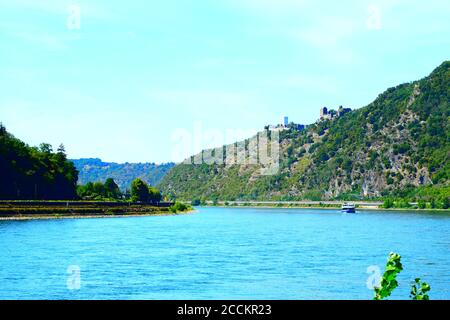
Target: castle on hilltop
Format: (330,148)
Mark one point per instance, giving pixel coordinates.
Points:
(326,114)
(286,125)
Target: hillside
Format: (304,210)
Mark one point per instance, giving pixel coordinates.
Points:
(398,143)
(34,172)
(95,170)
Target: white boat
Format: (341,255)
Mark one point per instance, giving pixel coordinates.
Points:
(348,208)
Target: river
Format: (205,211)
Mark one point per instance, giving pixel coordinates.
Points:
(223,253)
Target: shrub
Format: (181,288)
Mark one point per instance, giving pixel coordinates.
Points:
(388,203)
(419,290)
(179,207)
(422,204)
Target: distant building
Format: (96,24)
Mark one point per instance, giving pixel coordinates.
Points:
(326,114)
(285,126)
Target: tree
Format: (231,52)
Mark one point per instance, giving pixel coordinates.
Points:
(127,194)
(99,188)
(154,194)
(112,189)
(34,172)
(388,203)
(446,203)
(2,129)
(61,149)
(142,192)
(99,191)
(139,191)
(46,148)
(421,204)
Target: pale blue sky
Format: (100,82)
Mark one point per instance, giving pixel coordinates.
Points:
(136,72)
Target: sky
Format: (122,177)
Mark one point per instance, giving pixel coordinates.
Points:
(155,81)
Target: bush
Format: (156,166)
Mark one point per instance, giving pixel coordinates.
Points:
(422,204)
(179,207)
(402,204)
(388,203)
(446,203)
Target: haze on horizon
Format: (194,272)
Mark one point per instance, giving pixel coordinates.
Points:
(121,80)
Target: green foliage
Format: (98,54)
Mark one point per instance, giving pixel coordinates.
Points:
(421,204)
(196,202)
(34,173)
(100,191)
(179,207)
(419,290)
(389,283)
(142,192)
(389,279)
(403,204)
(446,203)
(313,195)
(139,191)
(427,197)
(401,148)
(112,189)
(388,203)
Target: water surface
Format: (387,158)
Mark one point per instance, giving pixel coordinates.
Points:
(223,253)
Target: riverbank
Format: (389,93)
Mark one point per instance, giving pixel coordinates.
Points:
(326,205)
(89,216)
(26,210)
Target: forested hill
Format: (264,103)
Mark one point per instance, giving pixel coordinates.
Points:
(95,170)
(397,144)
(34,173)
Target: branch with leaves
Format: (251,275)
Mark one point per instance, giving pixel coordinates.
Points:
(419,290)
(389,281)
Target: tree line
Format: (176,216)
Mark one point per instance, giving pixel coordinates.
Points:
(39,173)
(34,172)
(140,191)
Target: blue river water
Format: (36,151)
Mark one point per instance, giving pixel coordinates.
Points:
(223,253)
